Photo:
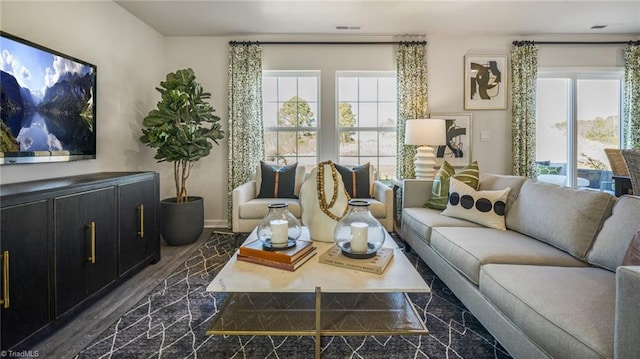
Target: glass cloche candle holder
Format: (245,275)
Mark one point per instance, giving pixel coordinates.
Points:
(358,234)
(279,229)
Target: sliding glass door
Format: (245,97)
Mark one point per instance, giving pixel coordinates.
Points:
(577,117)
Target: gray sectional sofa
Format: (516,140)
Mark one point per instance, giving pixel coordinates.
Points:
(552,284)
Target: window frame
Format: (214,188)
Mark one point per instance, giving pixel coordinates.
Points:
(298,129)
(377,129)
(574,75)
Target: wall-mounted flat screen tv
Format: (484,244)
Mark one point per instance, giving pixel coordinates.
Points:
(47,104)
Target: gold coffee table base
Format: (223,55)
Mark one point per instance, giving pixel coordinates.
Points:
(317,314)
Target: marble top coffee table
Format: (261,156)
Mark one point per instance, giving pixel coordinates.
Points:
(318,299)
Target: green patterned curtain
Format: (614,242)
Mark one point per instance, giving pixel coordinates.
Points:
(524,74)
(631,103)
(411,67)
(246,143)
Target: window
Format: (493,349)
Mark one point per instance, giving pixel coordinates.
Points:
(290,113)
(577,117)
(367,118)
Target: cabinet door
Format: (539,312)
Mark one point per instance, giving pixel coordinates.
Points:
(85,245)
(138,237)
(23,231)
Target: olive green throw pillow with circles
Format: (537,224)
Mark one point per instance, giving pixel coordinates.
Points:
(469,175)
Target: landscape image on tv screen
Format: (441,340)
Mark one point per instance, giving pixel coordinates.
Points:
(47,104)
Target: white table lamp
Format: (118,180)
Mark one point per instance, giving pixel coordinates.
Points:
(425,133)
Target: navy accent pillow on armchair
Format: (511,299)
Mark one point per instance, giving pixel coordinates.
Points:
(277,181)
(356,180)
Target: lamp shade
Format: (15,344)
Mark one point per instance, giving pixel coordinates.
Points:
(429,131)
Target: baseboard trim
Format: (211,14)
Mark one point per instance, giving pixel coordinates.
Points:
(216,223)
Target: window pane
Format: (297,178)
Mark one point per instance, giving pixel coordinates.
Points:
(368,89)
(291,119)
(308,88)
(270,143)
(349,161)
(368,116)
(287,88)
(269,89)
(367,122)
(287,143)
(269,114)
(310,119)
(348,143)
(307,143)
(552,111)
(347,89)
(598,109)
(388,144)
(387,114)
(368,143)
(387,90)
(386,168)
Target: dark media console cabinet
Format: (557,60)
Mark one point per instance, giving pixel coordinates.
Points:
(66,241)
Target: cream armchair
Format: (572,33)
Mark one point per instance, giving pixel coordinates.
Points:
(248,210)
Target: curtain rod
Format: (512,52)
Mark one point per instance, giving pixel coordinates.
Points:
(325,42)
(630,42)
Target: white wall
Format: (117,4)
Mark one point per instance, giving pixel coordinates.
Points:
(128,54)
(132,59)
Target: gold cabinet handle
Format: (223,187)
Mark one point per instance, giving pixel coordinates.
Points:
(92,258)
(5,280)
(141,214)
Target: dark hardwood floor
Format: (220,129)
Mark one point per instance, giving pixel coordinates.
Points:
(67,341)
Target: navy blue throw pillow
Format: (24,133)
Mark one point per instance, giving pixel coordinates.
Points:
(277,181)
(356,180)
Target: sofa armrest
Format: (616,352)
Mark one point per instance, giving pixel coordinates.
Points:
(241,194)
(627,327)
(415,193)
(384,194)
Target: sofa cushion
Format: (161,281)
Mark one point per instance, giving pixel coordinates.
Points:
(300,173)
(467,249)
(421,220)
(492,182)
(441,182)
(613,240)
(259,207)
(483,207)
(568,312)
(356,180)
(565,217)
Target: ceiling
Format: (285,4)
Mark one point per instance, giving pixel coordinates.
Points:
(386,18)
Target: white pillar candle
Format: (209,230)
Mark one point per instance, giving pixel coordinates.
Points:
(279,232)
(359,237)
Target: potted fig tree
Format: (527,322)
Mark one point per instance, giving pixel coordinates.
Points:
(183,129)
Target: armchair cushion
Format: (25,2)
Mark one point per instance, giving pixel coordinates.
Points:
(356,180)
(277,181)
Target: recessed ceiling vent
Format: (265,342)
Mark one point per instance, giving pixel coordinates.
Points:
(598,27)
(344,27)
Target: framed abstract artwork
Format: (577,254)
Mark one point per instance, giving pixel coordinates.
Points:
(485,82)
(457,150)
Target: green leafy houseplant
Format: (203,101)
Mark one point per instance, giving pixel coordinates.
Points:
(183,127)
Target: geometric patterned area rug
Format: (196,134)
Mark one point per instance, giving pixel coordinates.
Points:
(172,320)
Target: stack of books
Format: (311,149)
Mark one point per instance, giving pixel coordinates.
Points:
(376,264)
(289,259)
